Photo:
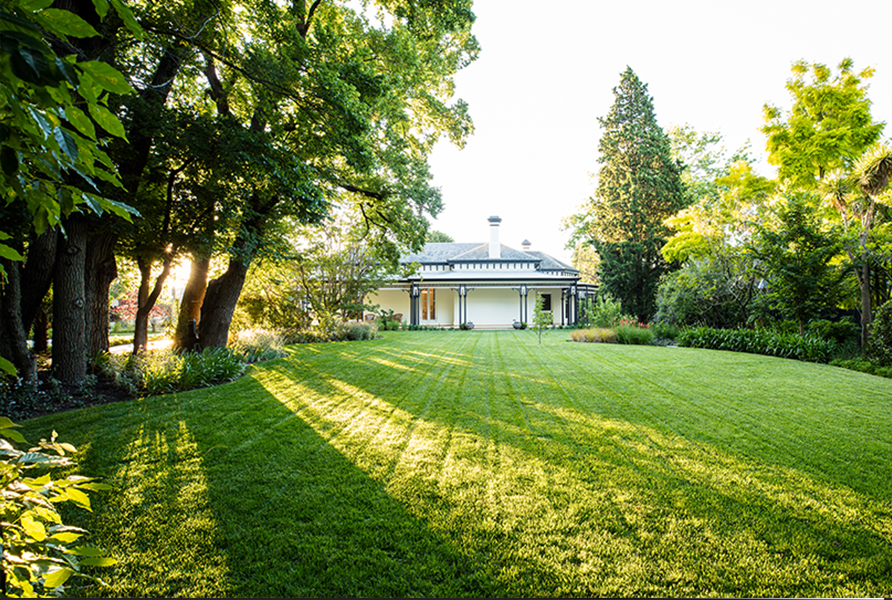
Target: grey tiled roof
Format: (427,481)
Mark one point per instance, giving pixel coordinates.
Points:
(446,252)
(481,252)
(438,252)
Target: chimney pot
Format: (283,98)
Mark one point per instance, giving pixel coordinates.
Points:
(495,247)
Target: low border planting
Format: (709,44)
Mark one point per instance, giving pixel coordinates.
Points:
(759,341)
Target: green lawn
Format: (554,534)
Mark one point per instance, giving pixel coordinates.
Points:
(483,464)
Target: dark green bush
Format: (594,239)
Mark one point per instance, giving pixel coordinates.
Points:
(665,331)
(864,366)
(632,334)
(879,344)
(759,341)
(845,331)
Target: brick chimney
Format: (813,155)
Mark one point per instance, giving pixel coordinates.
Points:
(495,247)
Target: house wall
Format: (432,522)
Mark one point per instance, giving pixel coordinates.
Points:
(487,307)
(395,300)
(492,307)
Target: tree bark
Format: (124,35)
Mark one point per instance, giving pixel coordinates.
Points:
(69,349)
(38,275)
(193,298)
(14,339)
(219,304)
(41,328)
(146,300)
(101,271)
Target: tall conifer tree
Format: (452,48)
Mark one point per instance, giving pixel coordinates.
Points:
(639,185)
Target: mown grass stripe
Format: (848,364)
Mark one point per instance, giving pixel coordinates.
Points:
(483,464)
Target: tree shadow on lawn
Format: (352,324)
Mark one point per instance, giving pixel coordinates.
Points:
(233,495)
(588,505)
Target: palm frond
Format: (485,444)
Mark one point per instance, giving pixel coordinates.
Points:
(874,169)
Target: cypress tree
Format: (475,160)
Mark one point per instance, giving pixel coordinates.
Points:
(639,186)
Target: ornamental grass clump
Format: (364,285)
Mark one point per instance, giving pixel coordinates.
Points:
(603,335)
(637,334)
(162,371)
(255,345)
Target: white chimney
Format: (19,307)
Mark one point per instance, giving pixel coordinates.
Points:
(495,248)
(525,245)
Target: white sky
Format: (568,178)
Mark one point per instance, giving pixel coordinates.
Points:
(547,70)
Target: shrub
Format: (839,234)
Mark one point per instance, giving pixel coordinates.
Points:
(864,366)
(879,344)
(759,341)
(709,291)
(39,551)
(356,332)
(162,371)
(665,331)
(255,345)
(594,335)
(844,331)
(607,311)
(633,334)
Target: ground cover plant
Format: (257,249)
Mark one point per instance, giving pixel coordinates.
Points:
(484,464)
(760,341)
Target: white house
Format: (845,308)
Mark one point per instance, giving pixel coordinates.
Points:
(488,284)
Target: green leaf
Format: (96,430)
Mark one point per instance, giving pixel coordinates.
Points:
(6,422)
(41,120)
(57,577)
(29,65)
(33,528)
(66,142)
(106,76)
(95,487)
(107,120)
(79,498)
(86,551)
(127,16)
(35,5)
(66,537)
(101,7)
(64,22)
(118,208)
(10,253)
(12,433)
(81,121)
(104,561)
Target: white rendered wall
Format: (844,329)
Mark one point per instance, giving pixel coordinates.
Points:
(492,307)
(395,300)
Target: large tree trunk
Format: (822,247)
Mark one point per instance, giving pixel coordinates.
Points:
(69,349)
(190,305)
(219,304)
(41,328)
(146,300)
(38,274)
(13,337)
(101,271)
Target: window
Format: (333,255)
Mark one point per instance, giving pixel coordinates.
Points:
(546,301)
(428,305)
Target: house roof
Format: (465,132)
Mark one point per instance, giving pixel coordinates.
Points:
(451,252)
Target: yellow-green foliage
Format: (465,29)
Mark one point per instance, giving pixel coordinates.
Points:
(594,334)
(40,552)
